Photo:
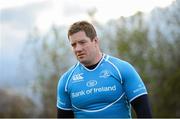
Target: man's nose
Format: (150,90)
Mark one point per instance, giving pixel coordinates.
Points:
(78,48)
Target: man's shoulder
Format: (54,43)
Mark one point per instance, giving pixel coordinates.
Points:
(65,76)
(70,70)
(116,60)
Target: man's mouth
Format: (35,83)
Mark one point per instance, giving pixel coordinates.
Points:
(80,55)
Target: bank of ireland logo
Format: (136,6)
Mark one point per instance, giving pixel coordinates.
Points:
(78,77)
(104,74)
(91,83)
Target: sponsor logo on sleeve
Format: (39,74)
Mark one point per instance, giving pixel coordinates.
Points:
(139,88)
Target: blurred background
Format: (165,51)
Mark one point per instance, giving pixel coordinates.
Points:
(34,49)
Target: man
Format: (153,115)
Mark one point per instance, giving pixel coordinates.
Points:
(99,85)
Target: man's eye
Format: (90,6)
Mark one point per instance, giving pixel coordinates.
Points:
(73,45)
(82,42)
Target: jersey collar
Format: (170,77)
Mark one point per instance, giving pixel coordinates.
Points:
(96,66)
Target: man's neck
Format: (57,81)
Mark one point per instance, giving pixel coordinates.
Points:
(94,65)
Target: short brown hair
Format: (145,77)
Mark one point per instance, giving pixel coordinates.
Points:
(82,26)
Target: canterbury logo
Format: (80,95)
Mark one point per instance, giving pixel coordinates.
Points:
(78,77)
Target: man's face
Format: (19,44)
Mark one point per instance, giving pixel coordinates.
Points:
(84,48)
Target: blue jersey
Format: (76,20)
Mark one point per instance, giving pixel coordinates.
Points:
(105,91)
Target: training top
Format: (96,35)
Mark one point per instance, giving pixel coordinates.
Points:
(105,91)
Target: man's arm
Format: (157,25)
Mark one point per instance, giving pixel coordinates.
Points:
(142,107)
(64,113)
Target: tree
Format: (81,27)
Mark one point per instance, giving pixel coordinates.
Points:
(51,55)
(155,58)
(16,106)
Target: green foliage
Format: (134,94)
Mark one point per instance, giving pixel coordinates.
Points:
(167,73)
(157,62)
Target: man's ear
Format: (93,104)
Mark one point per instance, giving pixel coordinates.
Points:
(96,39)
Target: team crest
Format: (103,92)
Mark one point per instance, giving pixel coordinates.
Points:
(104,74)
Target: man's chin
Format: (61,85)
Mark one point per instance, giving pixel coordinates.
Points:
(82,61)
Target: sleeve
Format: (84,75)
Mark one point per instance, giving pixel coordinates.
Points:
(64,113)
(63,99)
(132,82)
(142,107)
